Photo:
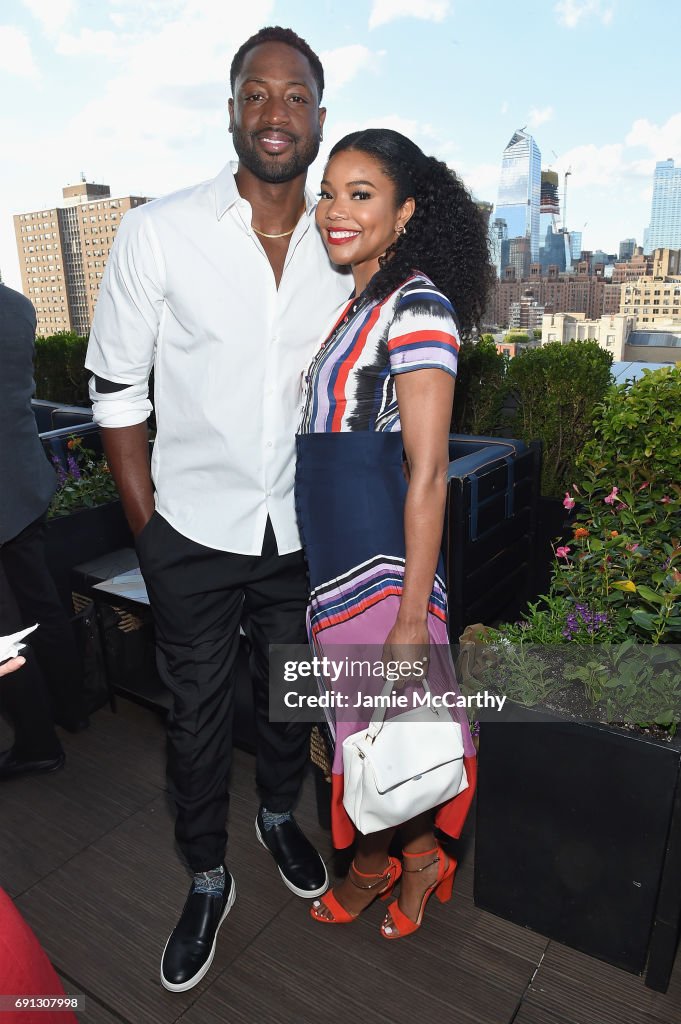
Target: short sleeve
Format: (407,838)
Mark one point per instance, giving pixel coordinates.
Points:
(423,333)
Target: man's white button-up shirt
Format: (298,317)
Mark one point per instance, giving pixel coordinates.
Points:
(188,289)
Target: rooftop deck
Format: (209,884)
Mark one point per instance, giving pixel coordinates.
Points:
(88,856)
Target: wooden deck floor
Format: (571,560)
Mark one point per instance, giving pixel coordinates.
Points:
(88,856)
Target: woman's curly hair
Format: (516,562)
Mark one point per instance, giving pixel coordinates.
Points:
(446,237)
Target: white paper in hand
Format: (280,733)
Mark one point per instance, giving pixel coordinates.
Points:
(11,645)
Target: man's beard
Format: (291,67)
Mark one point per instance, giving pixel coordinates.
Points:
(274,169)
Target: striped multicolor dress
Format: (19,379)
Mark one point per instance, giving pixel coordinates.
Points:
(350,493)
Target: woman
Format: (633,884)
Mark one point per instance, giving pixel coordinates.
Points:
(380,392)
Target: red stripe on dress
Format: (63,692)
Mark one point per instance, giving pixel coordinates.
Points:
(414,337)
(362,606)
(349,361)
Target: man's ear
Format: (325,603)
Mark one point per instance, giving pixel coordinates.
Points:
(230,108)
(322,119)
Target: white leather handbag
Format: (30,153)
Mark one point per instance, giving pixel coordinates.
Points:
(396,769)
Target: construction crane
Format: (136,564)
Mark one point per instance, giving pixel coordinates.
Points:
(565,184)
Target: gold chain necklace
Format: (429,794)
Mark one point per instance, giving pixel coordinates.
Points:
(283,234)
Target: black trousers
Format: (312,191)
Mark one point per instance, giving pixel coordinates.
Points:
(199,597)
(26,589)
(34,595)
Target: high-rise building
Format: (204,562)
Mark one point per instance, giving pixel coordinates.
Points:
(664,230)
(627,249)
(498,233)
(525,314)
(516,253)
(520,190)
(549,204)
(576,246)
(63,252)
(554,241)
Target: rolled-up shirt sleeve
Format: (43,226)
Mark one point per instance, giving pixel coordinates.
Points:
(126,324)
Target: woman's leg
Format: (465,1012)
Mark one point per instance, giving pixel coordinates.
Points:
(357,891)
(420,867)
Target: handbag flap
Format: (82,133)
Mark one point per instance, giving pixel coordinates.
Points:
(408,747)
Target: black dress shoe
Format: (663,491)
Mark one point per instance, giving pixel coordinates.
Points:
(190,949)
(11,766)
(300,866)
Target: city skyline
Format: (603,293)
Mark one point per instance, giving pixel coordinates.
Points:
(134,94)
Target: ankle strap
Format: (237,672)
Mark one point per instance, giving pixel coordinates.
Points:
(380,878)
(421,853)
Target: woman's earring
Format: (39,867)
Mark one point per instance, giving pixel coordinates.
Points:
(401,229)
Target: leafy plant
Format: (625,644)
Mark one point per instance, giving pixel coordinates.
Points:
(556,388)
(84,482)
(59,368)
(615,592)
(480,388)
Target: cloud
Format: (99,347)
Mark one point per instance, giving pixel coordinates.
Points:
(384,11)
(346,62)
(16,57)
(592,165)
(504,107)
(90,43)
(662,141)
(570,13)
(172,83)
(537,117)
(52,14)
(481,179)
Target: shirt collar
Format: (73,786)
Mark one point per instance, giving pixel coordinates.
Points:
(227,194)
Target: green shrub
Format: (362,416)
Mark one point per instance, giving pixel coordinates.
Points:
(516,338)
(637,432)
(60,374)
(480,388)
(556,388)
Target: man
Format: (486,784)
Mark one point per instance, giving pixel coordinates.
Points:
(226,290)
(27,591)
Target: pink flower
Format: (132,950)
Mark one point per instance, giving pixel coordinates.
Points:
(610,500)
(568,502)
(666,500)
(562,552)
(620,506)
(644,485)
(631,547)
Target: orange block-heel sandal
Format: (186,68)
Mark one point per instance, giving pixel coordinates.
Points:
(398,925)
(383,883)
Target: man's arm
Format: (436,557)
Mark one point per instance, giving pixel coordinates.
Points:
(127,452)
(121,354)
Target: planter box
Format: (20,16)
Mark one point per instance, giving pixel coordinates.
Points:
(489,540)
(578,836)
(80,537)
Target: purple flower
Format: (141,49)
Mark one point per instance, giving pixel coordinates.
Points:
(74,468)
(61,472)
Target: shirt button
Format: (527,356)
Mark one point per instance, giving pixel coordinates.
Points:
(269,444)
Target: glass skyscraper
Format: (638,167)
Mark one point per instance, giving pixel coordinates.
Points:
(664,231)
(520,189)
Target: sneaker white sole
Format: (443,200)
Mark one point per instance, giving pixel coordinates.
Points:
(186,985)
(306,894)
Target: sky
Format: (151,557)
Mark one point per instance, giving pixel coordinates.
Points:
(133,93)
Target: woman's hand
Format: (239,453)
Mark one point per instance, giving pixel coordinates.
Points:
(11,665)
(407,650)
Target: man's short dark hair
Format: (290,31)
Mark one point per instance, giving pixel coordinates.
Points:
(276,34)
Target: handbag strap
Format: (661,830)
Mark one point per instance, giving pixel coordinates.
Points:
(377,720)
